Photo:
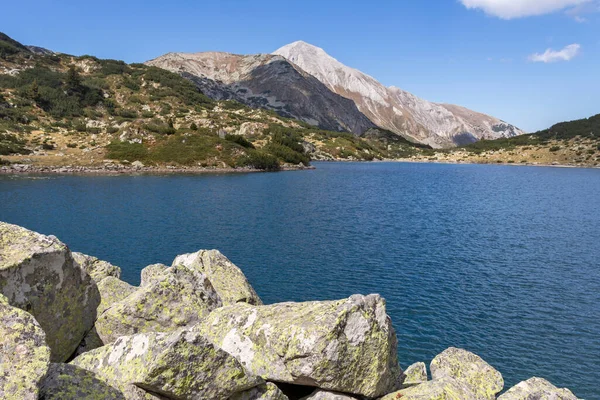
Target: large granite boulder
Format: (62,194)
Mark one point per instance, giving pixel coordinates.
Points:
(470,369)
(446,388)
(179,365)
(228,280)
(415,374)
(24,356)
(112,290)
(68,382)
(38,274)
(346,345)
(181,297)
(96,268)
(267,391)
(326,395)
(538,389)
(152,273)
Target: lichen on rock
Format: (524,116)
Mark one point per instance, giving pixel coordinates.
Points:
(445,388)
(152,273)
(38,275)
(112,290)
(538,389)
(24,356)
(415,374)
(469,369)
(346,345)
(228,280)
(179,365)
(181,297)
(69,382)
(320,394)
(267,391)
(96,268)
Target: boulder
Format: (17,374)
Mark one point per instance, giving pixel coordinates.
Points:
(325,395)
(89,342)
(38,274)
(346,345)
(446,388)
(537,388)
(96,268)
(267,391)
(228,280)
(181,297)
(112,290)
(414,374)
(152,273)
(179,365)
(470,369)
(68,382)
(24,356)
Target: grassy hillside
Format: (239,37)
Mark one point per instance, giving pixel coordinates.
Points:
(59,109)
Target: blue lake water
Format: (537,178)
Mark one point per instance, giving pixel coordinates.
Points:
(501,260)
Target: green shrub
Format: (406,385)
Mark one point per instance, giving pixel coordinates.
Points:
(554,148)
(239,139)
(259,159)
(71,145)
(11,144)
(118,150)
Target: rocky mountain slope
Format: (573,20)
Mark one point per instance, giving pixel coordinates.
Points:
(198,330)
(391,108)
(269,82)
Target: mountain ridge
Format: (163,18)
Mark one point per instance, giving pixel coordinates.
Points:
(391,108)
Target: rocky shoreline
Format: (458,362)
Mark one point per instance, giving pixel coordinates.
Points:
(71,329)
(120,169)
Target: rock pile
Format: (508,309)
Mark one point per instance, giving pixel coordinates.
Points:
(71,329)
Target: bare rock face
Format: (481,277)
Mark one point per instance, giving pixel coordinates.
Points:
(38,275)
(270,82)
(326,395)
(469,369)
(24,356)
(346,345)
(268,391)
(180,365)
(391,108)
(538,389)
(228,280)
(178,298)
(152,273)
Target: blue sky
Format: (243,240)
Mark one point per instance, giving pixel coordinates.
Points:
(488,55)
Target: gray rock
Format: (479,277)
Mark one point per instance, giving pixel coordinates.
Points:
(228,280)
(445,388)
(538,389)
(470,369)
(346,345)
(181,297)
(268,391)
(325,395)
(415,374)
(68,382)
(152,273)
(24,356)
(38,274)
(96,268)
(112,290)
(179,365)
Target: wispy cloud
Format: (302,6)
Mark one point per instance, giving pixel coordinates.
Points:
(550,55)
(509,9)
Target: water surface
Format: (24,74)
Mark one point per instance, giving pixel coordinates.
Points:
(501,260)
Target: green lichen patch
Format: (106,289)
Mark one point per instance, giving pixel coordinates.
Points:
(68,382)
(152,273)
(96,268)
(38,274)
(112,290)
(24,356)
(268,391)
(180,298)
(470,369)
(538,389)
(179,365)
(415,374)
(346,345)
(228,280)
(441,389)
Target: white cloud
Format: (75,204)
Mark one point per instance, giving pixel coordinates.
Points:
(549,56)
(508,9)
